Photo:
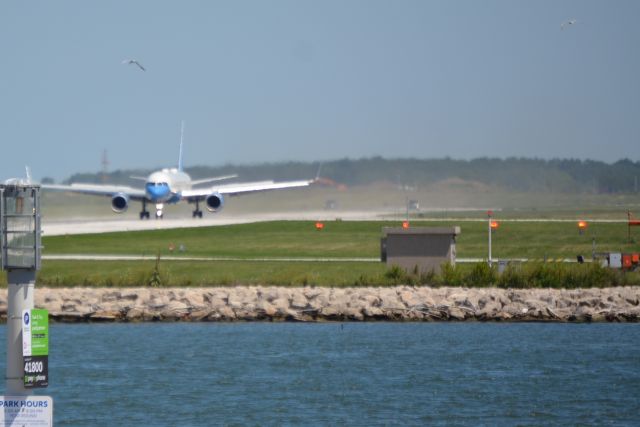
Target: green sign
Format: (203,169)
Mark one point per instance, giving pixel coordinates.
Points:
(39,332)
(35,347)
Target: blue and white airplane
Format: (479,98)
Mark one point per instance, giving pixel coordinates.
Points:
(172,185)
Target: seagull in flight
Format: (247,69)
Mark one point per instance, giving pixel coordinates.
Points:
(567,23)
(134,62)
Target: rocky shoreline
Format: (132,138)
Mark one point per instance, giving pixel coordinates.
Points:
(312,304)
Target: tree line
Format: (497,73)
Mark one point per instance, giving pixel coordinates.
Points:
(516,174)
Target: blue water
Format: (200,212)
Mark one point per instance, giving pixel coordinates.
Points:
(203,374)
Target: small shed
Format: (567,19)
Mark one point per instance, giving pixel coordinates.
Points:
(420,248)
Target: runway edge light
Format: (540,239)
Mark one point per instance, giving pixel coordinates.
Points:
(582,225)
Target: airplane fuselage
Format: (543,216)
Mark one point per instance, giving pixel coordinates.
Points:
(166,185)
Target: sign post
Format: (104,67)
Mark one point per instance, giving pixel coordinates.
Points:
(631,222)
(27,328)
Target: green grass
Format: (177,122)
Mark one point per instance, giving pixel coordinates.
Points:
(215,273)
(337,274)
(529,275)
(343,239)
(349,239)
(339,239)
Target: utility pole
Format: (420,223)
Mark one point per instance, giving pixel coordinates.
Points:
(105,166)
(406,203)
(489,214)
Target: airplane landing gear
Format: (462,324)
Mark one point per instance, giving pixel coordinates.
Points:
(159,212)
(144,213)
(197,212)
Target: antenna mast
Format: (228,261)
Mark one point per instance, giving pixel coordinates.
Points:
(105,166)
(181,139)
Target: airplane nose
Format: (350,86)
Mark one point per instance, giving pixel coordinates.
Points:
(157,191)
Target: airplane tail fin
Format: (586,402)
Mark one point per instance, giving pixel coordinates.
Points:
(181,139)
(28,173)
(20,181)
(317,178)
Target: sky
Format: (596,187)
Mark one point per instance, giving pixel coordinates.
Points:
(297,80)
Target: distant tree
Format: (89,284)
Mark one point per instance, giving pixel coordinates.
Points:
(515,173)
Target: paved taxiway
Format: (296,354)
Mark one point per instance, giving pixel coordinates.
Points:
(58,227)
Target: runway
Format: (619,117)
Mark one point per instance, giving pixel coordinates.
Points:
(60,227)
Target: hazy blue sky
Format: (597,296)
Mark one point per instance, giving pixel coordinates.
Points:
(314,80)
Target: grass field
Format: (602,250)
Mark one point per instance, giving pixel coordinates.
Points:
(300,239)
(339,239)
(210,273)
(350,239)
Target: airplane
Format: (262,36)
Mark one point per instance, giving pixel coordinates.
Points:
(172,185)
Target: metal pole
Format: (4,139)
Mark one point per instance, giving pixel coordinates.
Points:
(20,257)
(489,228)
(406,203)
(21,284)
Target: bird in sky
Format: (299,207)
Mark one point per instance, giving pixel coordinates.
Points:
(133,62)
(567,23)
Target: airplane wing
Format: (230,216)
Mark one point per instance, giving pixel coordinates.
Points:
(243,188)
(98,190)
(215,178)
(197,181)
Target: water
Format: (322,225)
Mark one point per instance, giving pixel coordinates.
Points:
(203,374)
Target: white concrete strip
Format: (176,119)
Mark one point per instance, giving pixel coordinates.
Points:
(85,257)
(517,260)
(544,220)
(97,257)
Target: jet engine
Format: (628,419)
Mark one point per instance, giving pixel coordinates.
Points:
(119,202)
(214,202)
